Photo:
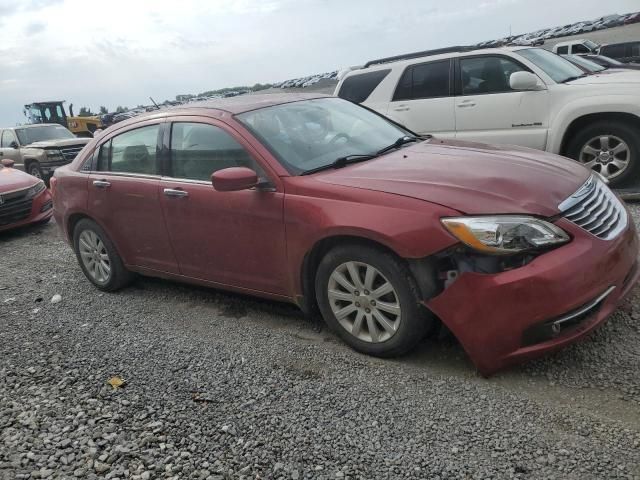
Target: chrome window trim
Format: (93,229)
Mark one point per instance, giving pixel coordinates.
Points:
(120,174)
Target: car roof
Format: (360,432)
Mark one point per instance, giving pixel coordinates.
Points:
(246,103)
(442,56)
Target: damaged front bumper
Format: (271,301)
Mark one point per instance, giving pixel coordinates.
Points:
(507,317)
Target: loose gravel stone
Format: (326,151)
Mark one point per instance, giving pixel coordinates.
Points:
(222,386)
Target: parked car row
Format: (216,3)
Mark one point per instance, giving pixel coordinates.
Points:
(304,82)
(512,95)
(625,52)
(540,36)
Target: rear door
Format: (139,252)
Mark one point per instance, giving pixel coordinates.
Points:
(124,197)
(231,238)
(488,110)
(423,99)
(7,137)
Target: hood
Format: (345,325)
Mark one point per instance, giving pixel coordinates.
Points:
(609,76)
(472,178)
(67,142)
(12,179)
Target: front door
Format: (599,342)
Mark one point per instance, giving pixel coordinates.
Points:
(124,198)
(230,238)
(488,110)
(423,100)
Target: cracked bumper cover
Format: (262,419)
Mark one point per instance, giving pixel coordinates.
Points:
(490,313)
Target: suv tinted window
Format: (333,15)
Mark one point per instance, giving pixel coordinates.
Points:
(427,80)
(563,50)
(487,74)
(7,138)
(198,150)
(357,88)
(635,50)
(131,152)
(615,51)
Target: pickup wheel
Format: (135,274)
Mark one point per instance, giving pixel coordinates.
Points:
(369,299)
(98,257)
(610,148)
(35,170)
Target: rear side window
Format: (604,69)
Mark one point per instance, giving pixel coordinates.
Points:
(134,151)
(427,80)
(563,50)
(198,150)
(357,88)
(615,51)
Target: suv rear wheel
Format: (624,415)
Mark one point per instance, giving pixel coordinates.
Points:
(369,298)
(98,258)
(610,148)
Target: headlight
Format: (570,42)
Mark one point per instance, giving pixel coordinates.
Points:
(505,234)
(54,155)
(36,189)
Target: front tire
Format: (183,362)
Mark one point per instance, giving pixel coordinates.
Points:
(370,300)
(98,257)
(35,170)
(611,149)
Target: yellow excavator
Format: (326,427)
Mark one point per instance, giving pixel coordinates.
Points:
(54,112)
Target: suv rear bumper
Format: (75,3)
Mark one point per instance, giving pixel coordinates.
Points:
(493,315)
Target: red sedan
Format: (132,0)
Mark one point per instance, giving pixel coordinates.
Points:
(326,204)
(24,199)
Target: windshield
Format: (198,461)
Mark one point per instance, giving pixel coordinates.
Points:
(559,69)
(314,133)
(46,132)
(587,65)
(590,45)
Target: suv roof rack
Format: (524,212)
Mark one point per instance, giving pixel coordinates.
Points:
(424,53)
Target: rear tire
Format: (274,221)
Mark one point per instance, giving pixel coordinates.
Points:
(383,325)
(98,257)
(587,143)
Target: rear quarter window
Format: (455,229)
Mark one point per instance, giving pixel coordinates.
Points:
(357,88)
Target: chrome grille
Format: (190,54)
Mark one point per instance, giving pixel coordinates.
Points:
(14,207)
(69,153)
(595,208)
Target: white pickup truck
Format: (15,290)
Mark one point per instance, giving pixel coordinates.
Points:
(514,95)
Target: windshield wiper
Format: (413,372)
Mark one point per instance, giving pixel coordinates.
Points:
(342,162)
(398,143)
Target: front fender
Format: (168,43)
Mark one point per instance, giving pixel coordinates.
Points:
(587,106)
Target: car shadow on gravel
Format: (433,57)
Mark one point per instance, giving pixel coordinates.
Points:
(17,233)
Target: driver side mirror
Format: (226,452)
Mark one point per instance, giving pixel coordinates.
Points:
(6,162)
(233,179)
(14,145)
(525,81)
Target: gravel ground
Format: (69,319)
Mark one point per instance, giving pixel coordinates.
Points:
(224,386)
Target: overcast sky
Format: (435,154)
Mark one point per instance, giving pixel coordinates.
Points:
(120,52)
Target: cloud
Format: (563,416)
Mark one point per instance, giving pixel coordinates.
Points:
(34,28)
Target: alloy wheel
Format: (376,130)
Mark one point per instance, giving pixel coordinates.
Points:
(364,302)
(606,154)
(95,257)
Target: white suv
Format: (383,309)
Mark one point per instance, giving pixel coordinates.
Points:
(519,95)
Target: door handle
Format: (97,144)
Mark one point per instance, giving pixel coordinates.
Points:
(101,184)
(466,104)
(174,192)
(401,108)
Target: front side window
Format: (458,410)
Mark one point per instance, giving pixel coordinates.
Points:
(313,133)
(487,74)
(427,80)
(198,150)
(134,151)
(7,139)
(357,88)
(580,48)
(559,69)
